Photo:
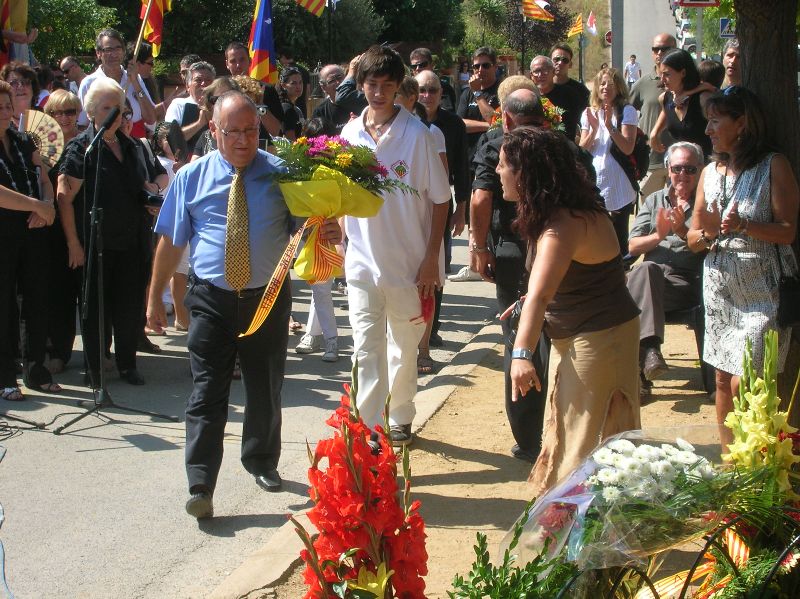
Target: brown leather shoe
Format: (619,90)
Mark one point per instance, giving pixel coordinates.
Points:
(654,366)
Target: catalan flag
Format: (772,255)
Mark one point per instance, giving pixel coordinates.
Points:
(577,27)
(262,44)
(532,10)
(5,25)
(315,7)
(155,21)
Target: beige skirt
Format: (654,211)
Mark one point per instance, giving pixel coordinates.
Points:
(582,409)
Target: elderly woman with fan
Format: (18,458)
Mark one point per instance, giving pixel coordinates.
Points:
(60,116)
(109,177)
(24,259)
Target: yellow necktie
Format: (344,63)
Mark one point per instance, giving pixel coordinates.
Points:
(237,243)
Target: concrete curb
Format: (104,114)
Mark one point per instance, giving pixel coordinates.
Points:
(270,564)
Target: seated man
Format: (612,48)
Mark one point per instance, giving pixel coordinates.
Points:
(669,277)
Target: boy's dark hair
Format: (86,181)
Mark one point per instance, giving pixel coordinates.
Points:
(712,72)
(378,61)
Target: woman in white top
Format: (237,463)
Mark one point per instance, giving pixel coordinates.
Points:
(610,120)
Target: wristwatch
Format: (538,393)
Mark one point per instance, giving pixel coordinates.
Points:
(522,354)
(140,94)
(476,248)
(477,94)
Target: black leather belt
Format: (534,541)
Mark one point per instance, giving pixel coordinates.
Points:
(242,294)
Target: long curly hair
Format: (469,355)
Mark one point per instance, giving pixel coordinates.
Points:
(551,179)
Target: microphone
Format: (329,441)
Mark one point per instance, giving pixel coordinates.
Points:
(112,116)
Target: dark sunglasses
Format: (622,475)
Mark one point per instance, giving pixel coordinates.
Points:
(681,168)
(482,65)
(657,49)
(429,90)
(561,59)
(419,65)
(66,112)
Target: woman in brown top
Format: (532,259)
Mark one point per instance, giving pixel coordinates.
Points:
(577,290)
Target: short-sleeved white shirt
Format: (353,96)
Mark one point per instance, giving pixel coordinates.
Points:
(612,182)
(388,249)
(83,120)
(176,108)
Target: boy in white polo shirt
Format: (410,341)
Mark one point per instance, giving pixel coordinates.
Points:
(394,258)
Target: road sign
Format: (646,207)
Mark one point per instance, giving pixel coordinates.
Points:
(609,37)
(726,29)
(697,3)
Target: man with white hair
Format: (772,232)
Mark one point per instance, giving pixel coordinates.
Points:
(334,116)
(669,277)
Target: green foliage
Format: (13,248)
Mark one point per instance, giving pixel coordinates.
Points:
(538,579)
(355,26)
(484,24)
(422,20)
(536,37)
(67,27)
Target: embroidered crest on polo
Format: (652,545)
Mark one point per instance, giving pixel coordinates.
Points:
(400,168)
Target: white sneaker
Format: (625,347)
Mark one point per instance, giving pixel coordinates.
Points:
(331,350)
(465,274)
(309,344)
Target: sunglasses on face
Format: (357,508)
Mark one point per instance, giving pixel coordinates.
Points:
(677,169)
(657,49)
(482,65)
(419,65)
(19,83)
(429,90)
(330,81)
(66,112)
(561,59)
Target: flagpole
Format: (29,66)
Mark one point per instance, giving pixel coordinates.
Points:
(141,29)
(580,57)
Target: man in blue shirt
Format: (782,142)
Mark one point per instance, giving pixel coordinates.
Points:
(195,211)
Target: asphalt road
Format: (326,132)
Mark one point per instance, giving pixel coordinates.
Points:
(98,511)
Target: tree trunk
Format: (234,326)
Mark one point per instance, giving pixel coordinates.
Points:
(767,46)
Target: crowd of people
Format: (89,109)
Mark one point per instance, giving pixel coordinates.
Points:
(187,188)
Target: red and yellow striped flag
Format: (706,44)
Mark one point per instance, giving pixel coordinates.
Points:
(155,21)
(577,27)
(533,11)
(315,7)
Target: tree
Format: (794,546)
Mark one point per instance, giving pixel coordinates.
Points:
(486,18)
(67,27)
(421,20)
(535,37)
(768,51)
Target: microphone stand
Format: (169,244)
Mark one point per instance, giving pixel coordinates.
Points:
(102,398)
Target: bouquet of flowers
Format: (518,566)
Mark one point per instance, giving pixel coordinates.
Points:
(328,177)
(554,114)
(370,543)
(630,500)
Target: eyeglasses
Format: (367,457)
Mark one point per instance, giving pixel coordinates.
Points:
(415,66)
(66,112)
(540,72)
(127,115)
(657,49)
(561,59)
(111,49)
(482,65)
(330,81)
(19,83)
(240,133)
(429,90)
(677,169)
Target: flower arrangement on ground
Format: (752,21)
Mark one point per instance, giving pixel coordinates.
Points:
(371,542)
(328,177)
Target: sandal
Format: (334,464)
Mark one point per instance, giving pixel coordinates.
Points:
(295,326)
(38,378)
(11,394)
(50,387)
(425,364)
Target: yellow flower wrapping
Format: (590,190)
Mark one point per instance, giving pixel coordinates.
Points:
(328,194)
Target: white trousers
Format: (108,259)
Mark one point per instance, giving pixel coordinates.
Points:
(386,333)
(321,319)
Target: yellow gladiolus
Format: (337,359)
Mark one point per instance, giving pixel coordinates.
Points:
(373,583)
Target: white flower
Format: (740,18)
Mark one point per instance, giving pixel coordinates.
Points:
(611,494)
(608,476)
(684,445)
(668,449)
(685,458)
(623,446)
(604,456)
(663,469)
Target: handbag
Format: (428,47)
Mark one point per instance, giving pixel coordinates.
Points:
(788,297)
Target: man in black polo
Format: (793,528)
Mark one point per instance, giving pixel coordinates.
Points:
(567,93)
(479,101)
(334,116)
